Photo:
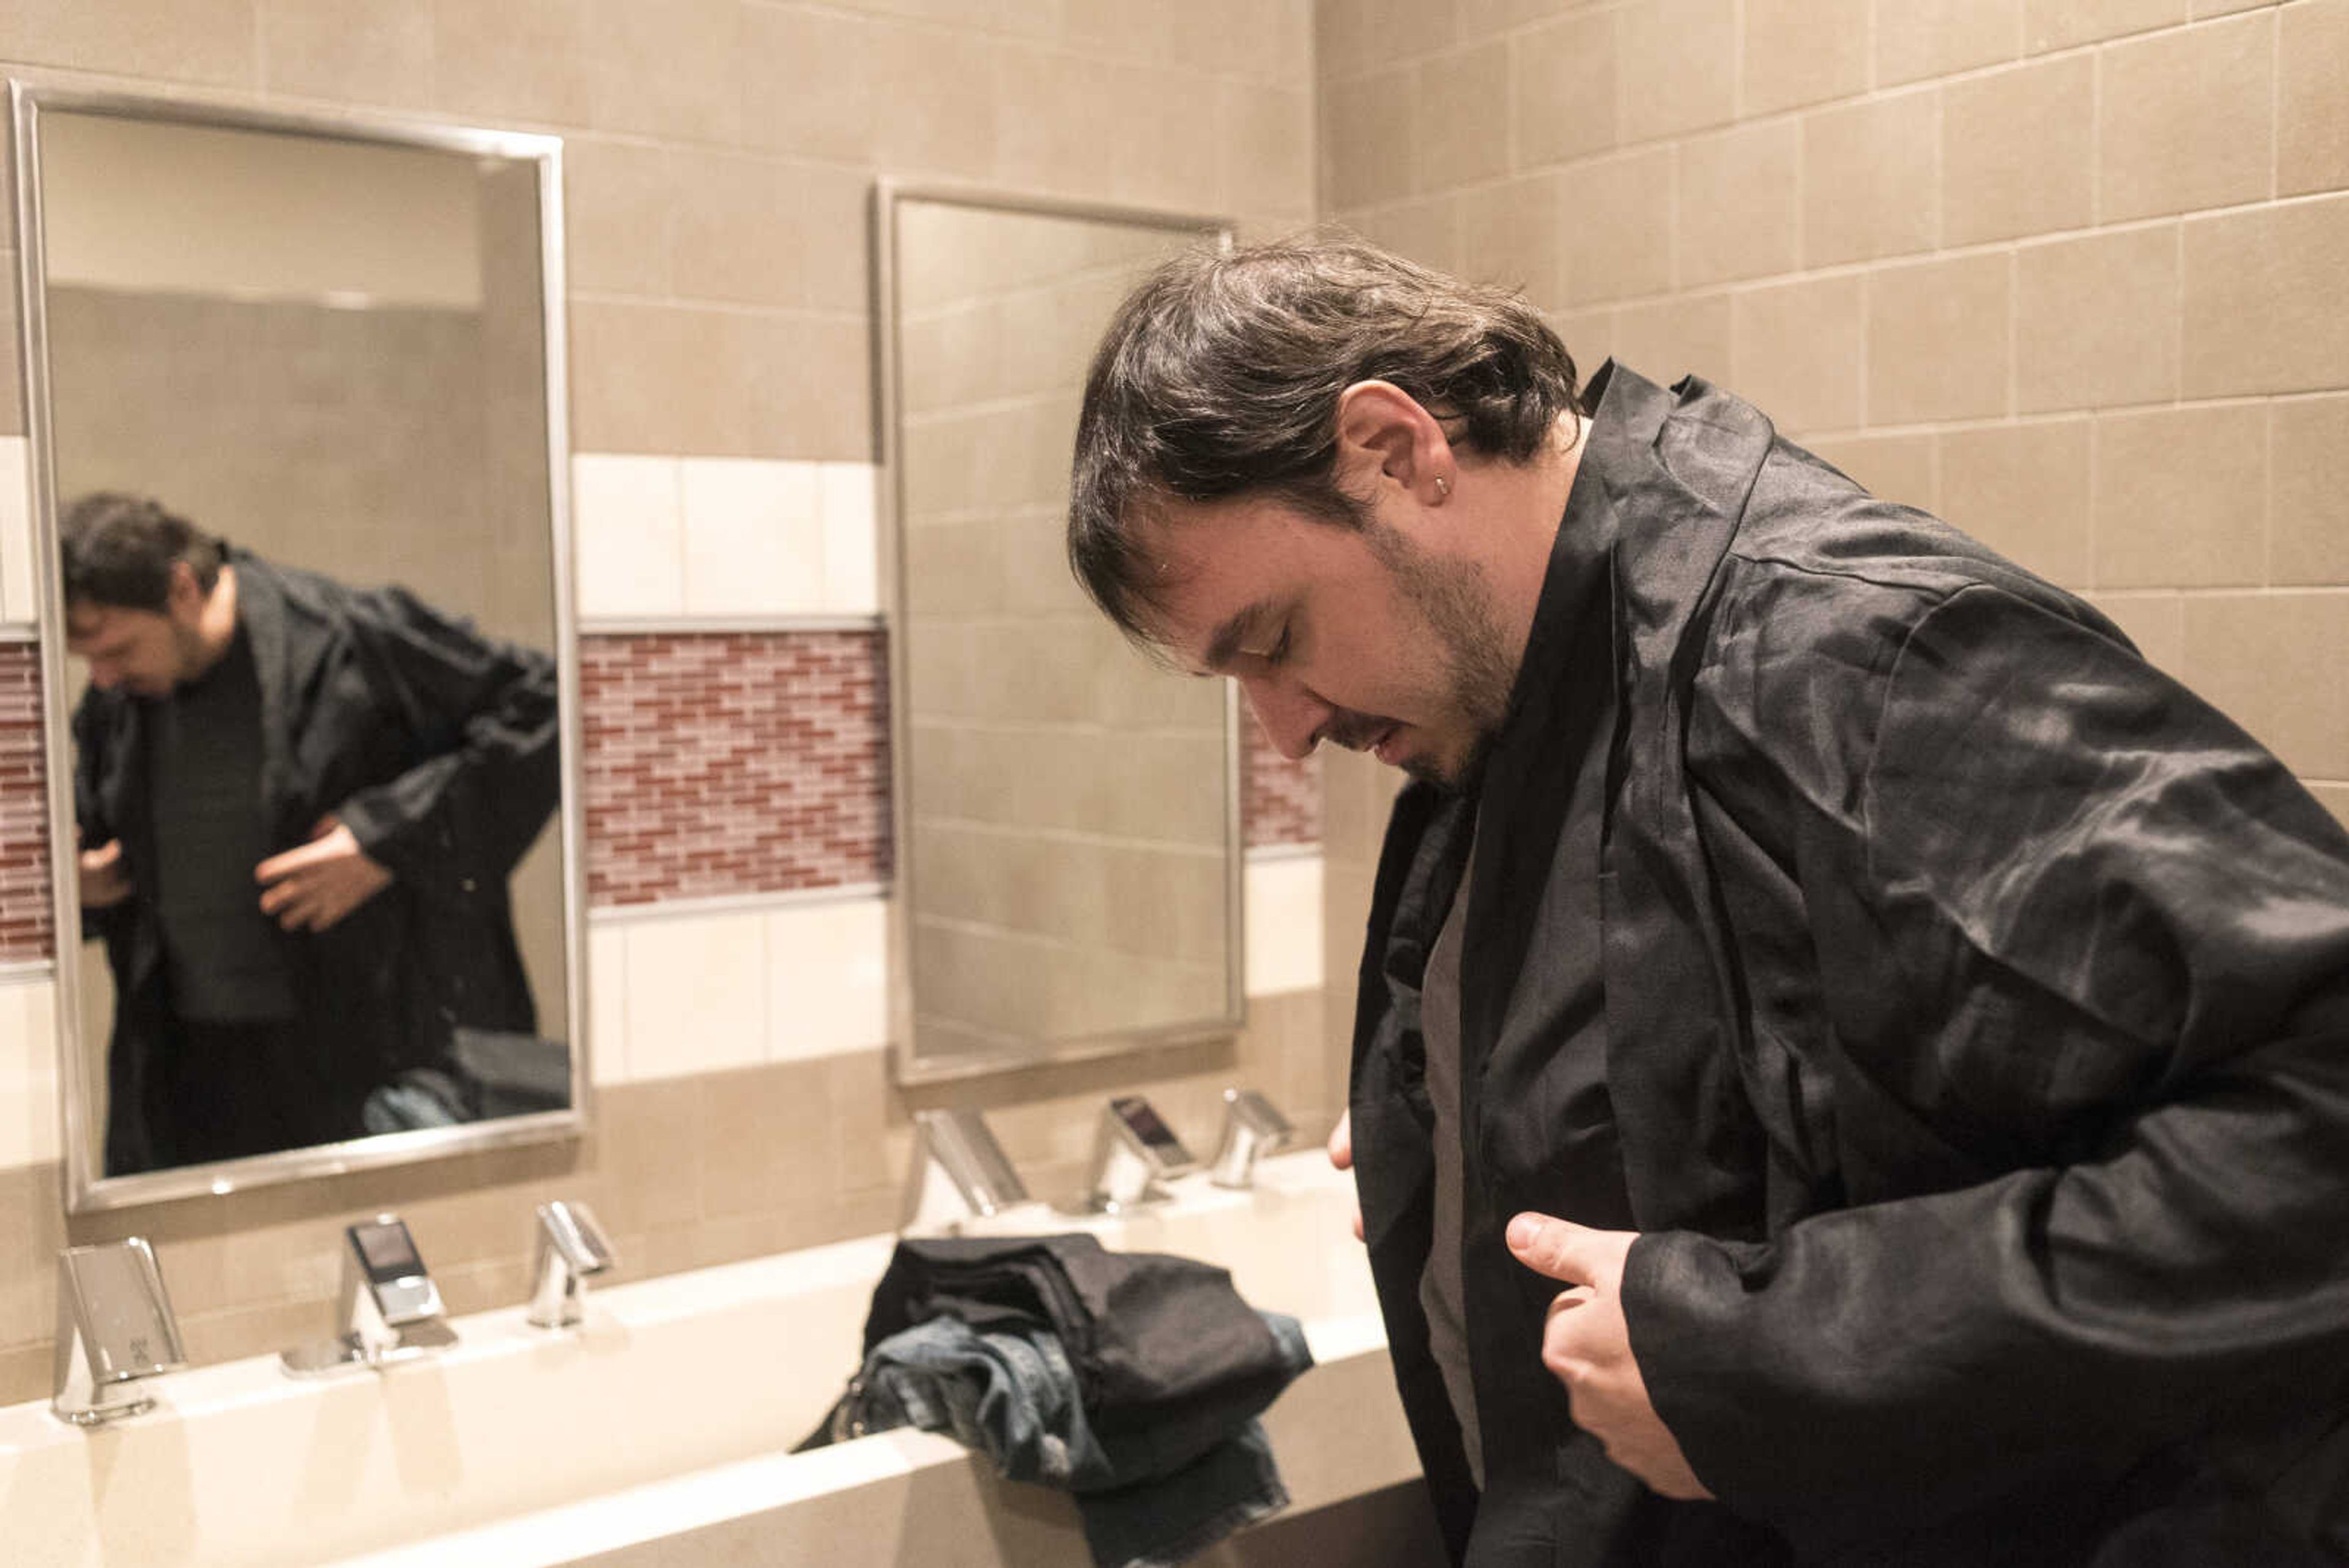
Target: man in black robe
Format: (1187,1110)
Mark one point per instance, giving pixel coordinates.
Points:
(1913,1030)
(299,804)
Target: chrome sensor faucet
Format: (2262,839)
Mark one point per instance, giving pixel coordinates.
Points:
(567,1250)
(1252,1129)
(960,1172)
(1133,1149)
(115,1328)
(389,1310)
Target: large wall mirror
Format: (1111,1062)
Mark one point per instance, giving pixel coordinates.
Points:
(298,439)
(1067,811)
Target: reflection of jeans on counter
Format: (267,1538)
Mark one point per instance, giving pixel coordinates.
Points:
(1148,1495)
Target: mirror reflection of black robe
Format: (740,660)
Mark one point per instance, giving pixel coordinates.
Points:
(1977,1010)
(439,748)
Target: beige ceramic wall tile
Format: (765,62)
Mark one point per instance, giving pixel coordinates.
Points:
(1679,61)
(2333,797)
(736,238)
(771,1141)
(1738,211)
(2263,300)
(2312,109)
(2308,504)
(1889,467)
(2273,663)
(1464,115)
(1476,19)
(1265,135)
(524,59)
(2023,490)
(1871,179)
(346,50)
(1369,132)
(1666,339)
(934,101)
(2155,621)
(1037,90)
(1937,340)
(1562,88)
(2182,497)
(2018,152)
(1589,335)
(1509,234)
(1354,35)
(1796,352)
(1618,226)
(807,83)
(1803,51)
(1284,925)
(2187,119)
(672,70)
(617,203)
(696,993)
(1426,232)
(1920,39)
(607,993)
(2096,320)
(212,42)
(2061,24)
(2206,8)
(753,539)
(20,588)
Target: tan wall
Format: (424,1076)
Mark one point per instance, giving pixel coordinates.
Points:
(2067,272)
(719,155)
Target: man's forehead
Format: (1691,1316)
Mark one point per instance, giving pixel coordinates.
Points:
(86,621)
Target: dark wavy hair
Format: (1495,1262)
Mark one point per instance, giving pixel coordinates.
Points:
(118,550)
(1220,377)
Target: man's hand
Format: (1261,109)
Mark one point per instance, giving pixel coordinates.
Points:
(312,888)
(1588,1345)
(1341,1155)
(104,881)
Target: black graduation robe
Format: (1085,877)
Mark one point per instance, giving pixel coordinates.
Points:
(439,748)
(1977,1010)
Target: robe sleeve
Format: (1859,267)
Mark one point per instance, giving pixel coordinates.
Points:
(487,726)
(2109,928)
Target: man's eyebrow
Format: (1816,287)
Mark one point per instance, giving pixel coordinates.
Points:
(1232,633)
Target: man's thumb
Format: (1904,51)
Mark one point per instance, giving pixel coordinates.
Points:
(1550,1247)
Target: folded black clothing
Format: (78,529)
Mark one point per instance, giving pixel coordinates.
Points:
(1131,1380)
(1146,1332)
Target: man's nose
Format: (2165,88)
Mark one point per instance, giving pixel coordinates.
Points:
(1290,713)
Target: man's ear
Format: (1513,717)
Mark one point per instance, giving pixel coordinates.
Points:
(1386,437)
(185,597)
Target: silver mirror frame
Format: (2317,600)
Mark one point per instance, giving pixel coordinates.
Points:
(85,1189)
(909,1069)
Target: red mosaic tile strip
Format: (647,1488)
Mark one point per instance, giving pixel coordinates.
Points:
(25,918)
(1280,801)
(723,764)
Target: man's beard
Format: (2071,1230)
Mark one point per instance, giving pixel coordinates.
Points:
(1457,605)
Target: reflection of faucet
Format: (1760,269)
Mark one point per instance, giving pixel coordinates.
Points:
(388,1308)
(959,1172)
(1133,1149)
(115,1327)
(1252,1128)
(569,1248)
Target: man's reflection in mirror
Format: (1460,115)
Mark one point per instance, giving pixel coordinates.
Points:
(299,804)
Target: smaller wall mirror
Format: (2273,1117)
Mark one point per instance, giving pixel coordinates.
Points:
(335,346)
(1066,812)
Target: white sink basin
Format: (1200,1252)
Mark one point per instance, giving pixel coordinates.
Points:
(660,1431)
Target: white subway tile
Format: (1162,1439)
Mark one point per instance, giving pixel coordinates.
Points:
(628,524)
(828,978)
(1284,924)
(20,596)
(754,544)
(28,1072)
(608,1000)
(697,994)
(852,548)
